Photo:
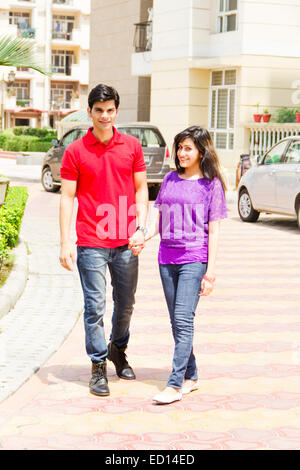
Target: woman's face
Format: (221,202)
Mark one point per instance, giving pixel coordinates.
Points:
(188,154)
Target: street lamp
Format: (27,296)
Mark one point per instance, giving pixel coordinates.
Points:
(4,83)
(4,183)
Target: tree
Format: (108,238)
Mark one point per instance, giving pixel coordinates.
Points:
(20,52)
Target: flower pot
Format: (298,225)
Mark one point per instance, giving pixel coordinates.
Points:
(266,117)
(257,117)
(298,117)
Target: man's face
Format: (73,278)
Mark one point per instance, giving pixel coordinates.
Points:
(103,114)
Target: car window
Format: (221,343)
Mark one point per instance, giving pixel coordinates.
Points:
(274,155)
(293,153)
(81,133)
(152,139)
(147,137)
(69,138)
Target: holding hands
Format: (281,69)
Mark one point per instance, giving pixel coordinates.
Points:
(137,241)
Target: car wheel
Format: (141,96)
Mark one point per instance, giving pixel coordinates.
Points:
(48,182)
(246,211)
(298,215)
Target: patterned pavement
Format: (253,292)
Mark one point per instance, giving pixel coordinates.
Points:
(247,344)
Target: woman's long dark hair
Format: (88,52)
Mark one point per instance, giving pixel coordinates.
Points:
(209,163)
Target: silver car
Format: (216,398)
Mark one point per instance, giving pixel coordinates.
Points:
(273,185)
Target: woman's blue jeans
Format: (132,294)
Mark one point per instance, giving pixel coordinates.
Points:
(123,267)
(182,284)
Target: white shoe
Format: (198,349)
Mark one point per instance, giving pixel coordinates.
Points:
(163,400)
(191,388)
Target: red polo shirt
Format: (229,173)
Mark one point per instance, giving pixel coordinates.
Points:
(105,192)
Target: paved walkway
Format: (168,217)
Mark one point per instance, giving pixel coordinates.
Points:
(247,343)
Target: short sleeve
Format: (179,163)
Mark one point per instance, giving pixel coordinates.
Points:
(69,167)
(139,162)
(217,208)
(158,200)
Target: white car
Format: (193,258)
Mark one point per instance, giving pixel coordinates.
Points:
(273,185)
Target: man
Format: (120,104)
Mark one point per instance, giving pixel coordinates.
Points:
(106,171)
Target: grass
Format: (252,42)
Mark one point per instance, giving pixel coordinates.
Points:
(6,269)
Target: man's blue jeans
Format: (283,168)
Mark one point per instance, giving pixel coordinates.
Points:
(182,284)
(123,266)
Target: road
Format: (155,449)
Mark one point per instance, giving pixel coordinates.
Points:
(247,344)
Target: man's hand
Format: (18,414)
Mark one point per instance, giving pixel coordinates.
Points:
(67,256)
(136,242)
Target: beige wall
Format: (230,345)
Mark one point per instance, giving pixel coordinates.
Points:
(112,33)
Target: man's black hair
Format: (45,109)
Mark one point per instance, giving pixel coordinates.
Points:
(103,93)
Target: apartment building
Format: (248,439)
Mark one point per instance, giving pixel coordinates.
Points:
(113,26)
(61,30)
(212,61)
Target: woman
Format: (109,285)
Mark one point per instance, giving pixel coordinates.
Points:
(191,203)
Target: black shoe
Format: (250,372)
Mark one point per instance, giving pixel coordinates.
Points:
(98,383)
(118,357)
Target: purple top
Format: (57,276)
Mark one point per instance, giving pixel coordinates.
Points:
(186,207)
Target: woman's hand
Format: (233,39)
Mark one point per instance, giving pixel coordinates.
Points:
(207,285)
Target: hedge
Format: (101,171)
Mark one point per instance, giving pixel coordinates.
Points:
(27,139)
(11,214)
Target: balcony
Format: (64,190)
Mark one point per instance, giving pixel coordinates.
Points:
(28,33)
(57,105)
(265,135)
(76,37)
(24,103)
(21,4)
(72,5)
(143,36)
(141,59)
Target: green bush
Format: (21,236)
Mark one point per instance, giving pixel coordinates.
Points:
(285,115)
(2,140)
(11,214)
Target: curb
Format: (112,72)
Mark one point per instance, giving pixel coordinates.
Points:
(14,286)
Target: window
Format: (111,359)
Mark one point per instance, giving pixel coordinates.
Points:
(62,26)
(62,61)
(61,95)
(227,16)
(222,108)
(22,20)
(69,138)
(147,137)
(274,155)
(293,153)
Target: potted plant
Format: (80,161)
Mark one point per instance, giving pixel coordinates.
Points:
(266,116)
(298,115)
(11,98)
(257,117)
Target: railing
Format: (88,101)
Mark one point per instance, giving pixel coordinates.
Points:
(264,136)
(62,2)
(60,104)
(64,70)
(27,33)
(24,103)
(57,35)
(143,36)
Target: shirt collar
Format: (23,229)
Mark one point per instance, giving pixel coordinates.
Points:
(92,140)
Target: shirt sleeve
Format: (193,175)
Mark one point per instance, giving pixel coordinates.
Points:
(217,208)
(158,200)
(69,167)
(139,162)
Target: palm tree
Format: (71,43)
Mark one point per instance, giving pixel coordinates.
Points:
(20,52)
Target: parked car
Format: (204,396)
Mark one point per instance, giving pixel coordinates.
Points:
(156,155)
(273,185)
